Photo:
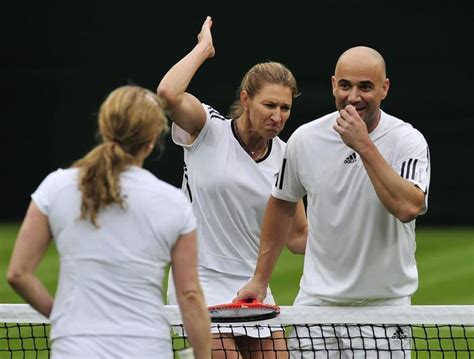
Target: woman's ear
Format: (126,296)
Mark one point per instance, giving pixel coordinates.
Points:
(149,147)
(244,99)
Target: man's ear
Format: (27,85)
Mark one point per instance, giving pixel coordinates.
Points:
(385,88)
(333,84)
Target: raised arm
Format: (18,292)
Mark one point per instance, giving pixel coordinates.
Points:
(30,246)
(190,297)
(400,197)
(296,242)
(277,222)
(185,109)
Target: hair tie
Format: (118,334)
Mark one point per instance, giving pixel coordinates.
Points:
(115,142)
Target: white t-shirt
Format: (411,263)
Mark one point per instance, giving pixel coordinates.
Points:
(111,277)
(229,192)
(356,248)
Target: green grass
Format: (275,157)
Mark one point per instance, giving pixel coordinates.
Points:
(445,258)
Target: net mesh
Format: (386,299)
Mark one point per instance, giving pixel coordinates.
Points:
(298,332)
(24,340)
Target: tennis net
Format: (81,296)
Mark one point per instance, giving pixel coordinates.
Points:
(311,332)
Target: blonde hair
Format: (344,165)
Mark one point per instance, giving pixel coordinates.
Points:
(130,118)
(265,73)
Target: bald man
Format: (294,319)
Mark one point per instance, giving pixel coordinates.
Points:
(366,175)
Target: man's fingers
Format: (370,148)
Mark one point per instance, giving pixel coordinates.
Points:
(351,109)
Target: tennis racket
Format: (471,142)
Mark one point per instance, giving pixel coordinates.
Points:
(242,311)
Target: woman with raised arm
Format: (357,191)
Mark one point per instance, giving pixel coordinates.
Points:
(231,164)
(116,227)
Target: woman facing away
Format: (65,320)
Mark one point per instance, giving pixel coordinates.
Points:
(230,167)
(116,227)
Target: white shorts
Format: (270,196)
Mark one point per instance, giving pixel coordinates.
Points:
(352,341)
(221,288)
(110,346)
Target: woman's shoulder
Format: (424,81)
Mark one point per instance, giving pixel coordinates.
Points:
(215,119)
(214,114)
(61,176)
(143,180)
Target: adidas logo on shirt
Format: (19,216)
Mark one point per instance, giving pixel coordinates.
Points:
(351,159)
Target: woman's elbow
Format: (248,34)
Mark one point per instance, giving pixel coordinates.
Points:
(167,94)
(190,298)
(14,277)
